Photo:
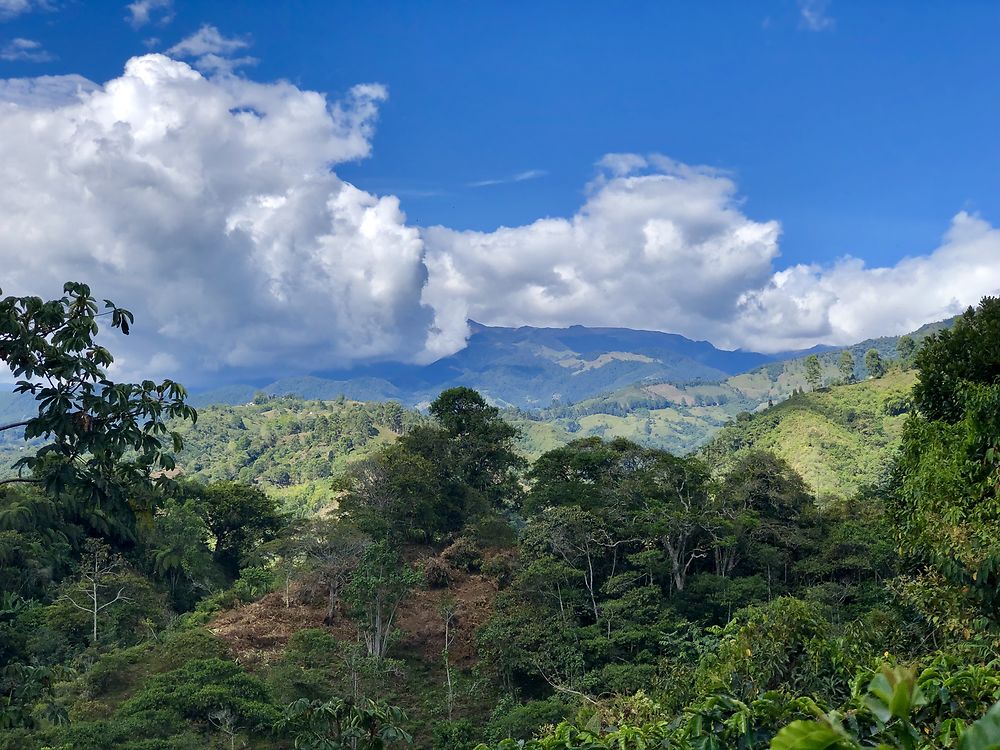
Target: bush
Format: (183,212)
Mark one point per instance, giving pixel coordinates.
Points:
(521,721)
(253,584)
(309,666)
(437,573)
(501,567)
(494,531)
(453,735)
(464,554)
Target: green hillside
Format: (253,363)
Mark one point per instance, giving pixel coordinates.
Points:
(683,417)
(838,438)
(289,446)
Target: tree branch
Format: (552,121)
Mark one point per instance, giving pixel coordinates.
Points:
(12,425)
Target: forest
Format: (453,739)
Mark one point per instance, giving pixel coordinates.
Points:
(442,591)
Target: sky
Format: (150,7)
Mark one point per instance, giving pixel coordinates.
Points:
(290,187)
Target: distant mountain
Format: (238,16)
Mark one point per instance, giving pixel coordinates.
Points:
(525,367)
(682,417)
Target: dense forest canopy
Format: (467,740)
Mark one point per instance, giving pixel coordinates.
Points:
(439,590)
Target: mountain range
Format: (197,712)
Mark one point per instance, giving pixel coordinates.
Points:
(524,367)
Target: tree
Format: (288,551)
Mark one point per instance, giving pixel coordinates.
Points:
(375,592)
(482,451)
(673,496)
(240,517)
(92,592)
(100,438)
(946,503)
(756,514)
(179,552)
(846,366)
(398,494)
(874,364)
(813,371)
(332,550)
(448,610)
(906,347)
(967,352)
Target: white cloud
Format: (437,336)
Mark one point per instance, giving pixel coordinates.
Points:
(211,51)
(813,15)
(24,50)
(661,246)
(12,8)
(209,208)
(45,91)
(847,301)
(142,12)
(666,246)
(528,174)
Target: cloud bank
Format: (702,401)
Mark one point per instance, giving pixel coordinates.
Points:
(209,208)
(208,204)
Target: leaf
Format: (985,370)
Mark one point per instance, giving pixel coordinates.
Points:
(983,734)
(809,735)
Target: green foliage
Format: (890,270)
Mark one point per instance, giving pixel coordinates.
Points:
(946,504)
(289,445)
(838,439)
(966,353)
(99,437)
(338,724)
(874,364)
(374,593)
(814,372)
(846,366)
(239,517)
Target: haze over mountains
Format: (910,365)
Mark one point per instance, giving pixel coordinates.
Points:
(525,367)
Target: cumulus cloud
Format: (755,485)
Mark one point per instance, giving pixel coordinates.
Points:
(142,12)
(847,302)
(24,50)
(666,246)
(813,15)
(208,206)
(656,245)
(45,91)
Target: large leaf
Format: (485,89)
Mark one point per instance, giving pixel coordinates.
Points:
(984,734)
(809,735)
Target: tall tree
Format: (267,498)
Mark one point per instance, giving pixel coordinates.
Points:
(946,508)
(240,517)
(874,364)
(483,449)
(673,494)
(846,366)
(813,371)
(98,585)
(379,585)
(906,347)
(967,352)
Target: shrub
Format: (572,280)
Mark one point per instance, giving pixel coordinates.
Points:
(437,573)
(464,554)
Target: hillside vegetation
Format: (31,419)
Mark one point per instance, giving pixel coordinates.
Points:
(838,438)
(605,595)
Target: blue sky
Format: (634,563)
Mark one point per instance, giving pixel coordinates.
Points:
(784,160)
(863,136)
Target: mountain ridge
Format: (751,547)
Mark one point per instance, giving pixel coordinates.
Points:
(525,367)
